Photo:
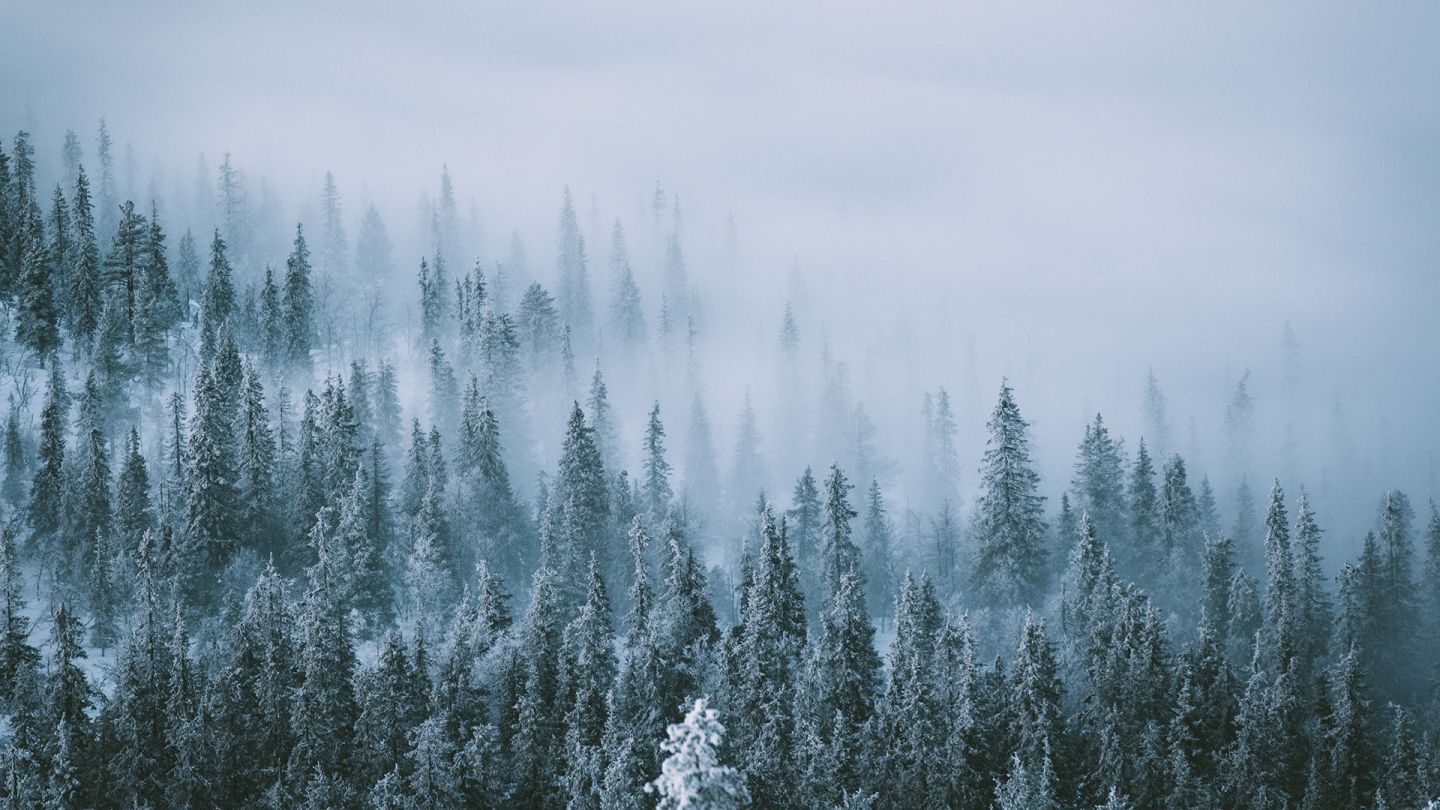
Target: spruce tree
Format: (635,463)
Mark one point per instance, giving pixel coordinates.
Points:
(692,775)
(876,551)
(1098,483)
(323,709)
(655,470)
(840,554)
(626,311)
(36,326)
(15,462)
(1148,556)
(133,513)
(574,292)
(124,264)
(19,660)
(212,519)
(588,671)
(87,498)
(255,468)
(1009,563)
(47,488)
(804,522)
(218,301)
(297,304)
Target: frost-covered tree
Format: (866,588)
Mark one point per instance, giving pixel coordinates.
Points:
(692,776)
(1009,529)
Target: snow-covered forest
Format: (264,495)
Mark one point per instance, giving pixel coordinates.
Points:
(327,489)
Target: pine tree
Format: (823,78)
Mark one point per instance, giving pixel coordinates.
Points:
(534,747)
(588,670)
(1179,515)
(323,709)
(941,450)
(1099,481)
(273,347)
(1149,556)
(83,295)
(187,273)
(1280,608)
(219,296)
(1035,694)
(373,248)
(582,494)
(47,489)
(297,304)
(878,557)
(68,694)
(1010,529)
(655,485)
(770,643)
(840,554)
(692,776)
(110,363)
(124,263)
(87,498)
(156,306)
(574,295)
(212,519)
(19,672)
(391,701)
(255,468)
(133,513)
(626,310)
(428,578)
(804,521)
(15,463)
(36,326)
(846,673)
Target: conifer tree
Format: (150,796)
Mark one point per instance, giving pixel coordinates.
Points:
(582,494)
(1149,556)
(69,696)
(219,296)
(771,639)
(255,467)
(574,289)
(840,554)
(655,484)
(212,520)
(83,295)
(123,265)
(1035,695)
(36,322)
(15,463)
(588,661)
(391,701)
(626,311)
(1009,524)
(274,347)
(1098,483)
(47,489)
(323,708)
(373,248)
(428,577)
(692,776)
(19,660)
(133,513)
(297,304)
(876,551)
(942,453)
(1280,590)
(87,498)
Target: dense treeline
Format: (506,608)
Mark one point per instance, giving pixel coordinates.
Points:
(306,593)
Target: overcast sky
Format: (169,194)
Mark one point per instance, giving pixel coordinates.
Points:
(1165,181)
